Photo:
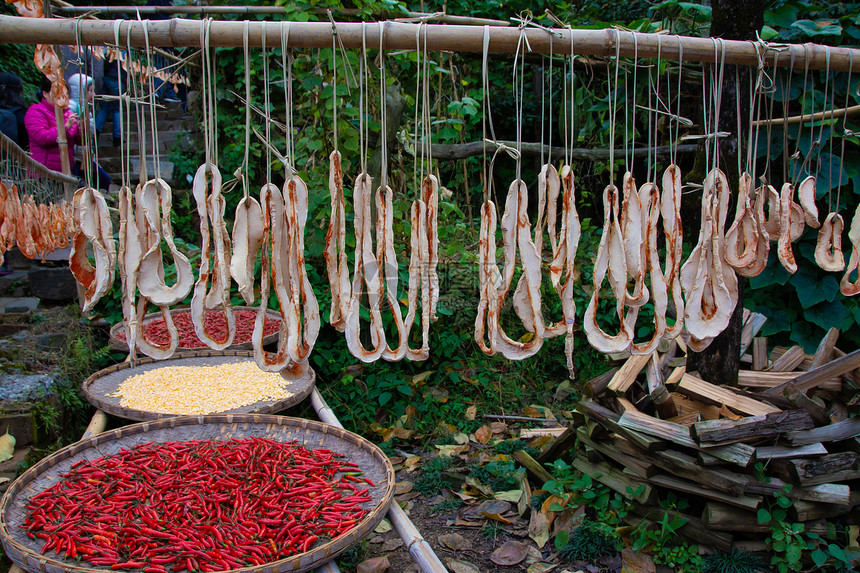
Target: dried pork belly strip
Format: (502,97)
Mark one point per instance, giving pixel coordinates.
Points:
(130,253)
(385,245)
(611,258)
(93,225)
(549,189)
(335,246)
(670,209)
(13,213)
(564,255)
(708,300)
(488,276)
(9,214)
(763,241)
(219,290)
(247,240)
(207,176)
(742,237)
(768,224)
(846,286)
(650,199)
(634,245)
(430,195)
(418,278)
(367,272)
(24,230)
(305,312)
(784,251)
(274,268)
(806,193)
(153,196)
(516,231)
(828,249)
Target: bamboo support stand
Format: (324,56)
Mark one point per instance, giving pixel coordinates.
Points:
(461,38)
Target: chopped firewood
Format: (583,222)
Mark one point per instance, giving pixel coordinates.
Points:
(532,466)
(628,486)
(755,379)
(803,402)
(839,431)
(814,378)
(609,420)
(538,432)
(693,528)
(824,353)
(722,517)
(751,326)
(839,467)
(716,432)
(765,453)
(597,385)
(688,405)
(750,502)
(788,361)
(759,357)
(626,375)
(657,389)
(835,493)
(812,510)
(637,465)
(707,392)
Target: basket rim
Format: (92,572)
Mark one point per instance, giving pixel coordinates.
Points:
(314,557)
(119,344)
(269,407)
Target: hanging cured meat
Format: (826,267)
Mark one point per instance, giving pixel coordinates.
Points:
(828,249)
(670,209)
(489,278)
(210,286)
(247,240)
(129,264)
(430,195)
(846,285)
(806,192)
(155,201)
(418,279)
(385,245)
(650,199)
(742,237)
(610,259)
(784,250)
(335,246)
(93,226)
(634,244)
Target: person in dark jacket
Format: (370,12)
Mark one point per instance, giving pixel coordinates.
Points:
(12,106)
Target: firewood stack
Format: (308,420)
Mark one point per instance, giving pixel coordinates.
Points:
(652,427)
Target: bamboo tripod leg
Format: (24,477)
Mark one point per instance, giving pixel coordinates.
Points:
(419,549)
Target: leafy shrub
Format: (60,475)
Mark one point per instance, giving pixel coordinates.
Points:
(589,542)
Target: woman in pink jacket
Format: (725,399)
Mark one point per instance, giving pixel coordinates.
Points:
(41,126)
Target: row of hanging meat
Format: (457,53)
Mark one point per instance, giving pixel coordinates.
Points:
(35,228)
(701,293)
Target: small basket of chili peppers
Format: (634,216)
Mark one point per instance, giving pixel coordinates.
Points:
(211,493)
(155,329)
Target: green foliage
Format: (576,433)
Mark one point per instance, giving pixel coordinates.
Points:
(446,506)
(433,479)
(499,475)
(508,447)
(589,542)
(734,562)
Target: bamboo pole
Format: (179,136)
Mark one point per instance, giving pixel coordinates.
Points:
(827,114)
(402,36)
(97,425)
(418,547)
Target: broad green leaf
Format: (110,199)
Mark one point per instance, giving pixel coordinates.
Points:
(793,553)
(813,286)
(819,27)
(768,33)
(819,557)
(781,17)
(773,274)
(829,314)
(561,539)
(763,515)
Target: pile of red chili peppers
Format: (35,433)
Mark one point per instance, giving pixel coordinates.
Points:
(216,325)
(199,505)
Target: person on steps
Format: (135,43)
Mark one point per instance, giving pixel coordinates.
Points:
(41,128)
(13,108)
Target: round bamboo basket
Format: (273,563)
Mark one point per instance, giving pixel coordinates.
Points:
(117,343)
(26,552)
(98,388)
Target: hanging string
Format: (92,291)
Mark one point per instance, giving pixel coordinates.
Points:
(824,110)
(519,87)
(549,154)
(362,87)
(485,105)
(845,131)
(631,107)
(286,63)
(334,39)
(787,174)
(426,168)
(266,104)
(613,94)
(676,140)
(247,55)
(419,132)
(383,113)
(152,102)
(84,107)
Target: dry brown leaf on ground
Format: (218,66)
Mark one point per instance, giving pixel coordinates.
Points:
(457,566)
(375,565)
(539,528)
(637,562)
(454,541)
(483,434)
(510,553)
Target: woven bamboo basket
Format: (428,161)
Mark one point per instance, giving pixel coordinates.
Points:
(98,388)
(117,343)
(26,552)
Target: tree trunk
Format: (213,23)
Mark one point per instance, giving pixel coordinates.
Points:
(733,20)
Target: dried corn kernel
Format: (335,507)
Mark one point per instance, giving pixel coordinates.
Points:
(195,390)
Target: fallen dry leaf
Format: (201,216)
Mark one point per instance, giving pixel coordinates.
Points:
(512,495)
(404,497)
(499,427)
(392,544)
(457,566)
(533,555)
(532,412)
(375,565)
(439,394)
(637,562)
(447,451)
(539,528)
(421,376)
(412,463)
(483,434)
(454,541)
(383,527)
(496,517)
(510,553)
(489,506)
(568,519)
(540,568)
(471,412)
(403,487)
(461,438)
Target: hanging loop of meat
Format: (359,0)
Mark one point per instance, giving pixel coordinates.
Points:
(670,209)
(247,240)
(390,269)
(154,196)
(549,190)
(806,192)
(490,280)
(92,222)
(418,279)
(784,250)
(828,249)
(130,253)
(742,237)
(430,195)
(366,272)
(516,231)
(210,211)
(649,198)
(335,246)
(709,283)
(763,195)
(304,313)
(634,243)
(846,285)
(612,260)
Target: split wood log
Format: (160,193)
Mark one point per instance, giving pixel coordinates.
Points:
(765,453)
(768,379)
(824,352)
(539,432)
(837,412)
(835,493)
(839,467)
(693,528)
(748,502)
(812,510)
(626,375)
(723,517)
(687,405)
(707,392)
(814,378)
(788,361)
(609,420)
(739,454)
(844,430)
(657,389)
(637,465)
(852,376)
(751,327)
(558,446)
(759,362)
(684,466)
(532,466)
(597,385)
(802,401)
(628,486)
(716,432)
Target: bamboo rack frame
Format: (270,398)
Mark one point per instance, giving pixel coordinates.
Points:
(403,36)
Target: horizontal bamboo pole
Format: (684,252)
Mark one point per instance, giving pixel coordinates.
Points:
(829,114)
(402,36)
